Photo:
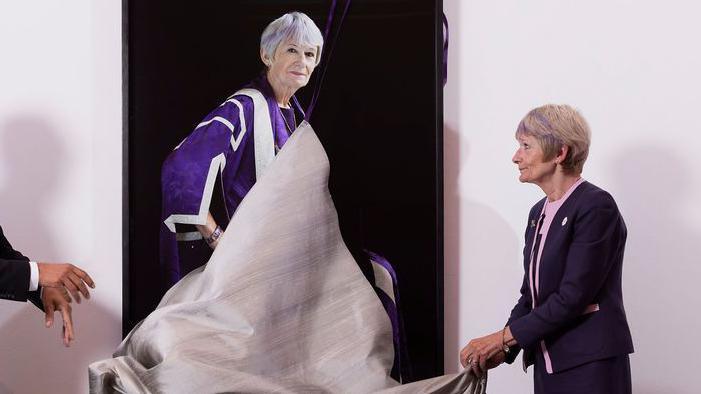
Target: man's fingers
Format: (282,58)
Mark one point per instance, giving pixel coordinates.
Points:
(68,335)
(49,315)
(72,289)
(84,276)
(54,275)
(79,284)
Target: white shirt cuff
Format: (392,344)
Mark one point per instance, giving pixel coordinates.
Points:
(33,276)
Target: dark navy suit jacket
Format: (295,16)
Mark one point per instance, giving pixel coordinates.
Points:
(580,266)
(14,274)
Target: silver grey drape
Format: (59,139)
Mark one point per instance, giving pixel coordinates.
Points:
(280,307)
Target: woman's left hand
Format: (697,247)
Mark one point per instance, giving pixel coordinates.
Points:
(479,350)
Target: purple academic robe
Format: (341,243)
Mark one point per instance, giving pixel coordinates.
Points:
(220,147)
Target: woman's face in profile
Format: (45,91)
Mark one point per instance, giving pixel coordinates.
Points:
(529,159)
(293,64)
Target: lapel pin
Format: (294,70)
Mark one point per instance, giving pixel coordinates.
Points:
(564,221)
(532,223)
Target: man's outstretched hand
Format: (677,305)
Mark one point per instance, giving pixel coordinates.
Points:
(65,275)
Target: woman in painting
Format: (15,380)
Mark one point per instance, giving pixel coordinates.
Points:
(232,148)
(234,144)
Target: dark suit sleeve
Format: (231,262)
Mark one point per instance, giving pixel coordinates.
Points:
(15,274)
(523,305)
(7,252)
(522,308)
(599,236)
(14,280)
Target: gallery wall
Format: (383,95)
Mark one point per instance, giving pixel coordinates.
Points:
(631,67)
(60,180)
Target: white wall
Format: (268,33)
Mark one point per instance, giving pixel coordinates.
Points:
(60,179)
(632,67)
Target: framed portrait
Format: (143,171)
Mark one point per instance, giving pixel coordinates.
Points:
(379,116)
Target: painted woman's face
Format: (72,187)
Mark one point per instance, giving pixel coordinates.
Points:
(293,64)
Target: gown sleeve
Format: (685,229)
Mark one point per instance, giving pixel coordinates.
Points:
(189,173)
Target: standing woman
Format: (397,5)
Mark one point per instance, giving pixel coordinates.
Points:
(570,319)
(233,145)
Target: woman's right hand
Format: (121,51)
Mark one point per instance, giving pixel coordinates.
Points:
(496,360)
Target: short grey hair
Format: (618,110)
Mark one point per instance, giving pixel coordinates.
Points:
(554,126)
(294,26)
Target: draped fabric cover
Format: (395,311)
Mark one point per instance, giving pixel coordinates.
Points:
(280,307)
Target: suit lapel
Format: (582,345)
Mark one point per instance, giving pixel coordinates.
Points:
(559,224)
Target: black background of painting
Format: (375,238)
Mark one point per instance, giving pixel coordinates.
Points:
(379,118)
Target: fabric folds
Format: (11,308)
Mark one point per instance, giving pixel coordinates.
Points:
(281,307)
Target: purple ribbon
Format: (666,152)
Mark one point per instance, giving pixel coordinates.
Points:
(327,54)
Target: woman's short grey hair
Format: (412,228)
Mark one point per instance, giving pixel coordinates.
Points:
(554,126)
(294,26)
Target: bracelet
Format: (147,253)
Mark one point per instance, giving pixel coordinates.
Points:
(504,346)
(216,234)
